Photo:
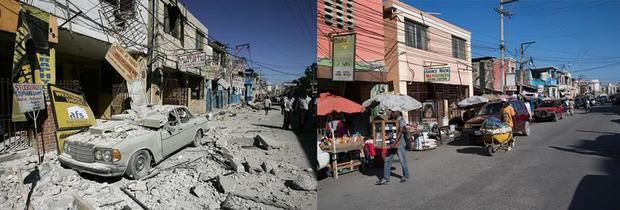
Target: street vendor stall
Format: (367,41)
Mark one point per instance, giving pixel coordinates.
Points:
(335,138)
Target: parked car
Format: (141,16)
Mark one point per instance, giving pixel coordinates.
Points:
(550,110)
(131,142)
(471,129)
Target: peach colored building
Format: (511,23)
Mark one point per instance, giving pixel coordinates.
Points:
(364,18)
(428,59)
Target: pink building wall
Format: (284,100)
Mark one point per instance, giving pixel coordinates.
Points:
(368,26)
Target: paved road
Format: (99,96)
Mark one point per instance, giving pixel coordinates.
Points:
(570,164)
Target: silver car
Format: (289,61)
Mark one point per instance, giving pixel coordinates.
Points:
(131,142)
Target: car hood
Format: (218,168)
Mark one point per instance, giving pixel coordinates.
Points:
(479,119)
(111,132)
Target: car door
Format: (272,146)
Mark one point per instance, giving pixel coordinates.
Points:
(521,115)
(187,126)
(171,134)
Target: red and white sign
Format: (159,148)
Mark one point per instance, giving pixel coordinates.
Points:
(191,60)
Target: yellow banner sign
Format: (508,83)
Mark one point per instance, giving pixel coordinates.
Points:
(61,136)
(70,109)
(126,65)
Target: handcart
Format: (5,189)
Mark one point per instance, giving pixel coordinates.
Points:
(498,138)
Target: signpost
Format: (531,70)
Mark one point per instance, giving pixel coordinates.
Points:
(437,74)
(190,60)
(343,57)
(30,100)
(70,109)
(124,64)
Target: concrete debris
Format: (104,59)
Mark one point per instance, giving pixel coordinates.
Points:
(267,143)
(303,182)
(233,169)
(137,186)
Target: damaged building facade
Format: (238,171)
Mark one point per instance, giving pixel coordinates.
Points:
(80,35)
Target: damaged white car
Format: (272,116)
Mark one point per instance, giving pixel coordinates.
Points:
(130,143)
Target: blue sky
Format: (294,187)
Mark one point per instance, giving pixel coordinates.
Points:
(281,33)
(581,33)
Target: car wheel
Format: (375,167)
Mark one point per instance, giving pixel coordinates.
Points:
(527,130)
(139,165)
(197,138)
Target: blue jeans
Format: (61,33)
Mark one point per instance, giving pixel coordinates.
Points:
(387,165)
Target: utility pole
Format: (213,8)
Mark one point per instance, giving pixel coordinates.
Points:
(521,70)
(502,13)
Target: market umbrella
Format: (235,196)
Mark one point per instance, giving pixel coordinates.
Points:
(472,101)
(394,101)
(328,103)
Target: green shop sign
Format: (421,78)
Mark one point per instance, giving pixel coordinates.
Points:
(343,54)
(437,74)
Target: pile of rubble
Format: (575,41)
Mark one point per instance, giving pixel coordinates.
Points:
(234,169)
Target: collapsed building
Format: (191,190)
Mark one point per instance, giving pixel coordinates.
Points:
(240,165)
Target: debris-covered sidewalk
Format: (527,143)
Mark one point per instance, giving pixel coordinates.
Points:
(246,162)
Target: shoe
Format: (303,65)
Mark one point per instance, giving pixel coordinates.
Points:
(383,182)
(404,179)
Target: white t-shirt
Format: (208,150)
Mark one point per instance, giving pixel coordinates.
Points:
(303,103)
(288,104)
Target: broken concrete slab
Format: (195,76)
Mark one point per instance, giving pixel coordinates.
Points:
(137,186)
(252,165)
(226,184)
(267,143)
(302,182)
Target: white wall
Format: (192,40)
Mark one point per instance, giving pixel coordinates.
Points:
(87,23)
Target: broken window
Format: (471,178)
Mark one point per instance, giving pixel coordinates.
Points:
(123,11)
(173,22)
(183,115)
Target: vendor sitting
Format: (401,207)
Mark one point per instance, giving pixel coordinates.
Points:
(337,122)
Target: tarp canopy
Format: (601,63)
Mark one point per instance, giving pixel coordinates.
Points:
(328,103)
(394,102)
(472,101)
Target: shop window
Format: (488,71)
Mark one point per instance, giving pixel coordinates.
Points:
(458,47)
(415,35)
(197,89)
(173,22)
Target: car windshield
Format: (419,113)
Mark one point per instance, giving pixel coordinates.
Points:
(490,109)
(548,104)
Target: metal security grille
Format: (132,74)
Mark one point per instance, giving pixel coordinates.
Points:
(82,152)
(435,92)
(13,135)
(120,102)
(175,89)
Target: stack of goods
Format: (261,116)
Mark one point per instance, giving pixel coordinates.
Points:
(423,143)
(494,126)
(345,140)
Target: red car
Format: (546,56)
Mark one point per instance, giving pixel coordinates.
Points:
(471,129)
(549,110)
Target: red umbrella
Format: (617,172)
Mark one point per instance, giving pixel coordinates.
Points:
(328,103)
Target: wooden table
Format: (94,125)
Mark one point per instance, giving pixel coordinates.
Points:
(350,149)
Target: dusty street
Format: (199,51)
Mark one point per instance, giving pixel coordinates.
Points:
(228,171)
(569,164)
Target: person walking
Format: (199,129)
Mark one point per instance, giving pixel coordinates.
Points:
(267,104)
(571,107)
(303,105)
(288,108)
(396,147)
